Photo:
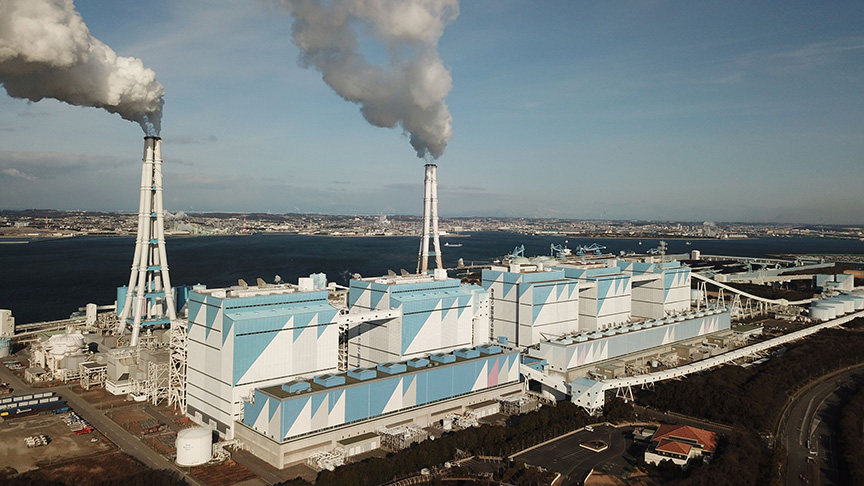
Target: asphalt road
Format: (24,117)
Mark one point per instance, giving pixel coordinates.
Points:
(809,431)
(7,376)
(574,462)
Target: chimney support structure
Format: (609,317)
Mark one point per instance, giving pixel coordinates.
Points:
(149,297)
(430,222)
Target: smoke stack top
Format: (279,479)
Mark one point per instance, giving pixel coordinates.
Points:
(46,51)
(409,90)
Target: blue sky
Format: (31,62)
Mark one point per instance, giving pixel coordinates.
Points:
(722,111)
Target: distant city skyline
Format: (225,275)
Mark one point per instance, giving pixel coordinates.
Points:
(662,111)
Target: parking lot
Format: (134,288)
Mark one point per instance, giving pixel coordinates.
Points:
(567,457)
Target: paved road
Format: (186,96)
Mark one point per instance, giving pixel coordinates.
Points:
(809,431)
(7,376)
(574,462)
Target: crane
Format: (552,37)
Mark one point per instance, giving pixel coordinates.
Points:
(592,248)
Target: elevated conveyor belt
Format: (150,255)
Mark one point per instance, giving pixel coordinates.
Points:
(586,393)
(748,295)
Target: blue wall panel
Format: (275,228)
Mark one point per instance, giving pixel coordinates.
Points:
(356,403)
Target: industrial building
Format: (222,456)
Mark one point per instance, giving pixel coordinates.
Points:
(566,353)
(431,315)
(242,338)
(284,423)
(530,303)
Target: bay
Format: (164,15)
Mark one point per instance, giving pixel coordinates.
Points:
(49,279)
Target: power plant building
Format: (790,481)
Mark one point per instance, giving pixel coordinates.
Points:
(530,303)
(604,297)
(432,316)
(241,338)
(570,352)
(285,423)
(659,289)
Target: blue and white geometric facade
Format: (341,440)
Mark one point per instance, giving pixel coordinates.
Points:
(659,289)
(243,338)
(302,407)
(529,305)
(574,351)
(606,301)
(436,315)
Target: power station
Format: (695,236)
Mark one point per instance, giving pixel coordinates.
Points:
(317,372)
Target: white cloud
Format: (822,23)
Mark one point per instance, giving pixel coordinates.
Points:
(17,173)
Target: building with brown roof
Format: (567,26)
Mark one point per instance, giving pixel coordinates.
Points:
(680,444)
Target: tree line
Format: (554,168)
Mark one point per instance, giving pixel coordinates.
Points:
(753,397)
(521,431)
(851,432)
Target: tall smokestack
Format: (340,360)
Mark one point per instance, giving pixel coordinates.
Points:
(149,300)
(430,222)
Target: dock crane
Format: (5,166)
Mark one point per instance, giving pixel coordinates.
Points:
(560,251)
(592,248)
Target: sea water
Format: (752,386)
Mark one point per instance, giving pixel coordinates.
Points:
(49,279)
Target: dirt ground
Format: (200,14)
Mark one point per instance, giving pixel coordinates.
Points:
(638,478)
(91,470)
(225,474)
(64,444)
(604,480)
(100,398)
(131,415)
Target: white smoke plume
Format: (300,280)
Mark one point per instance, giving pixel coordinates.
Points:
(46,51)
(409,90)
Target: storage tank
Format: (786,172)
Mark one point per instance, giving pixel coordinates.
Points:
(821,312)
(194,446)
(838,306)
(695,255)
(848,303)
(5,346)
(858,299)
(66,344)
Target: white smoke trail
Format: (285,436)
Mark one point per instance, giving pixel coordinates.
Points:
(410,90)
(46,51)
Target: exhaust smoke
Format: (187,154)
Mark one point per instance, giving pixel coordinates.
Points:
(408,91)
(46,51)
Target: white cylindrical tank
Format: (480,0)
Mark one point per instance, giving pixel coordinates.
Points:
(848,303)
(695,255)
(194,446)
(821,312)
(838,306)
(66,344)
(858,299)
